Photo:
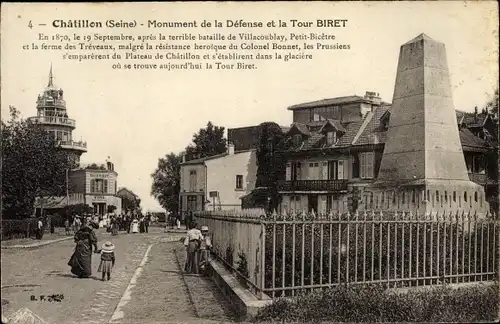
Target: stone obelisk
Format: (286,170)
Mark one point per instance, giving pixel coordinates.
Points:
(423,151)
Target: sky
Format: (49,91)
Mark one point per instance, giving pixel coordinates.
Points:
(137,116)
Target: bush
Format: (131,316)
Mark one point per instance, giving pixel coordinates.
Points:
(22,228)
(372,303)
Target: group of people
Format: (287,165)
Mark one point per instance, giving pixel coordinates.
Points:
(86,244)
(198,244)
(134,224)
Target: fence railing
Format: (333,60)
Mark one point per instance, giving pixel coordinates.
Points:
(281,255)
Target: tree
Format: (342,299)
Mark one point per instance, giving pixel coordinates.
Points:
(111,209)
(131,204)
(208,141)
(270,161)
(166,182)
(33,166)
(492,105)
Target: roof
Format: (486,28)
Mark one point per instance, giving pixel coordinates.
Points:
(246,138)
(421,37)
(335,123)
(202,160)
(370,131)
(127,190)
(328,102)
(301,128)
(471,119)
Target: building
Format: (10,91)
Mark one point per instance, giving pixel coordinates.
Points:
(128,195)
(98,186)
(53,116)
(336,146)
(93,185)
(217,182)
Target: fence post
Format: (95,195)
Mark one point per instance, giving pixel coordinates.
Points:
(263,258)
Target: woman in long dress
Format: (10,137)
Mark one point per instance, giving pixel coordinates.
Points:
(81,260)
(135,226)
(114,226)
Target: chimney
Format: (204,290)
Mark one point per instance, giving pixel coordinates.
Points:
(183,158)
(230,148)
(374,97)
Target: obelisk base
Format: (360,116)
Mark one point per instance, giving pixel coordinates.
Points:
(426,196)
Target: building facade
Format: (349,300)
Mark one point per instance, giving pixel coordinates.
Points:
(127,194)
(335,146)
(217,182)
(98,184)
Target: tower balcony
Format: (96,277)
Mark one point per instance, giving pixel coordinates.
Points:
(50,103)
(51,120)
(72,145)
(313,185)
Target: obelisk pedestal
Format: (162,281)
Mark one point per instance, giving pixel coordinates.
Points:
(423,166)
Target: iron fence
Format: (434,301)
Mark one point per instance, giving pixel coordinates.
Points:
(292,253)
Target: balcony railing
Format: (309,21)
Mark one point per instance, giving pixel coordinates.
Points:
(59,103)
(73,145)
(478,178)
(53,120)
(312,185)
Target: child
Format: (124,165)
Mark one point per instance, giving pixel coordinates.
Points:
(107,260)
(206,244)
(66,226)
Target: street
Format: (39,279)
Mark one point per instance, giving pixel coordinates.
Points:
(153,292)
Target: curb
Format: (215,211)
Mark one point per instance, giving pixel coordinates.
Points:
(35,245)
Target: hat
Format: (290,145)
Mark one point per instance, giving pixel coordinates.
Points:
(204,228)
(108,247)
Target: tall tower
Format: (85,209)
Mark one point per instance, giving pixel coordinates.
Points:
(52,115)
(423,156)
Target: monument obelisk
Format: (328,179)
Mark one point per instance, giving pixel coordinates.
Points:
(423,152)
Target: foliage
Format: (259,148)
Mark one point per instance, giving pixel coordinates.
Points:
(372,303)
(166,182)
(78,209)
(208,141)
(19,228)
(111,209)
(492,105)
(130,204)
(33,166)
(242,267)
(270,161)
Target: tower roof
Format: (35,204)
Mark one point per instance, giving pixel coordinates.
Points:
(420,38)
(50,85)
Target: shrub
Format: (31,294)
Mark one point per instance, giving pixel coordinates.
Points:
(22,228)
(371,303)
(389,256)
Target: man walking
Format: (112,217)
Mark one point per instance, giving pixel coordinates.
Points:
(192,244)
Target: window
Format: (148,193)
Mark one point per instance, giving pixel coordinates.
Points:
(454,196)
(191,203)
(99,186)
(475,196)
(297,139)
(366,165)
(355,166)
(295,203)
(295,174)
(332,204)
(192,180)
(59,136)
(239,181)
(331,138)
(465,196)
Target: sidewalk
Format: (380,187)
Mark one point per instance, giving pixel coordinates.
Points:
(24,243)
(207,299)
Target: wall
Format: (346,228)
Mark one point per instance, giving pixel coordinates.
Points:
(221,177)
(101,174)
(77,183)
(200,177)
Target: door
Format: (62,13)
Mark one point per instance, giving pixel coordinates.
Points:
(312,203)
(333,167)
